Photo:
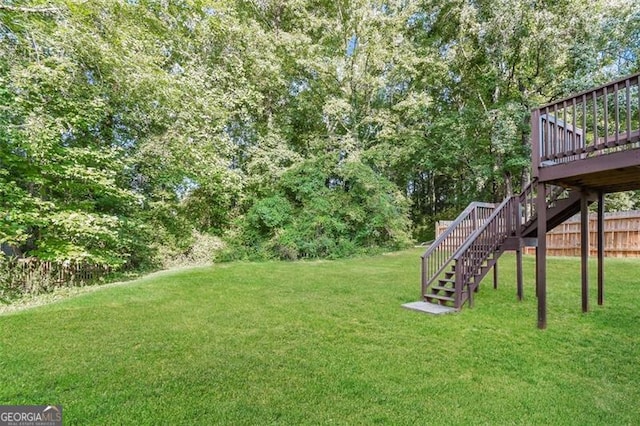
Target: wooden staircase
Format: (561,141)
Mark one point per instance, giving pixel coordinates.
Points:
(455,264)
(444,293)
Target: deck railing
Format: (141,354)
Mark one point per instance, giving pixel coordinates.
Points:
(527,204)
(527,200)
(485,240)
(438,255)
(595,122)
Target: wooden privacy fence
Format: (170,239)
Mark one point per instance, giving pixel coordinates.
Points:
(621,235)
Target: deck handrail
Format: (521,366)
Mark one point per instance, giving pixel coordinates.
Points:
(527,200)
(484,241)
(438,255)
(593,122)
(598,89)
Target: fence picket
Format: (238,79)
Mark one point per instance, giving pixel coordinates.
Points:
(25,272)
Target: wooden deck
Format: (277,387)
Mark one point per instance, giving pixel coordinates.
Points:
(590,141)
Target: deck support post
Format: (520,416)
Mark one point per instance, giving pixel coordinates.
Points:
(541,256)
(600,248)
(518,226)
(495,275)
(474,219)
(536,272)
(519,271)
(584,250)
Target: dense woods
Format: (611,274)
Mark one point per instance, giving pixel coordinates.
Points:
(135,131)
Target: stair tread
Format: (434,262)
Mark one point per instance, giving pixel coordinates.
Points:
(441,288)
(439,297)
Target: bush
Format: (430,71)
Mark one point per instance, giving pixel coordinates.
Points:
(202,251)
(269,214)
(320,210)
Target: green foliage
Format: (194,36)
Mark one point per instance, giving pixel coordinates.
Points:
(622,201)
(297,129)
(269,214)
(323,209)
(96,141)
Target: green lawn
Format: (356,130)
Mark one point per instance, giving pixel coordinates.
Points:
(327,342)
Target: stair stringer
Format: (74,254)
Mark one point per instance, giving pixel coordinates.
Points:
(557,213)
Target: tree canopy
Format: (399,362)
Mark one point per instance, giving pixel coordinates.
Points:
(298,128)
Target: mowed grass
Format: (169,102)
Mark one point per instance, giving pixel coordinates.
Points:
(327,342)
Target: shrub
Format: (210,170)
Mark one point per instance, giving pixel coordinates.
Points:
(322,210)
(201,251)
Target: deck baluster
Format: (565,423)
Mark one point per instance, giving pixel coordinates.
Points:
(605,114)
(554,143)
(595,119)
(565,147)
(628,101)
(574,133)
(617,108)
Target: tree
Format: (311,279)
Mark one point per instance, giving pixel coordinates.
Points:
(296,128)
(96,129)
